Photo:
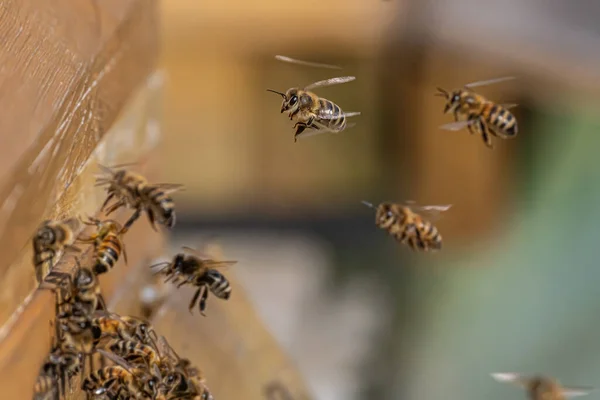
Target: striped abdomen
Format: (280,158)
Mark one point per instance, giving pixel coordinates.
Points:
(128,349)
(107,253)
(161,205)
(331,116)
(217,283)
(102,376)
(44,387)
(427,237)
(501,122)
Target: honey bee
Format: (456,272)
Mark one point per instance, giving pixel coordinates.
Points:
(136,352)
(107,242)
(83,294)
(482,115)
(51,238)
(311,111)
(542,388)
(124,328)
(133,190)
(408,227)
(122,380)
(200,271)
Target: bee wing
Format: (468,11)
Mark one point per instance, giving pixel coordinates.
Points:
(170,187)
(508,106)
(511,377)
(433,212)
(106,170)
(208,259)
(489,81)
(197,253)
(456,126)
(116,359)
(307,63)
(574,391)
(330,81)
(321,130)
(326,114)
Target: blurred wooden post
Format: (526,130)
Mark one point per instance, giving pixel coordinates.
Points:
(77,89)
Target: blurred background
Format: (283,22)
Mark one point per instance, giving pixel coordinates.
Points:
(514,288)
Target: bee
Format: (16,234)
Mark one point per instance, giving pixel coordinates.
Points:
(408,227)
(275,390)
(133,190)
(107,242)
(136,352)
(59,366)
(311,111)
(122,379)
(51,238)
(482,115)
(542,388)
(200,271)
(83,295)
(124,327)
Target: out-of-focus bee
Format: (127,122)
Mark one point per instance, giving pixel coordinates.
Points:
(58,368)
(408,227)
(124,327)
(198,270)
(107,242)
(275,390)
(481,115)
(133,190)
(51,238)
(542,388)
(311,111)
(122,380)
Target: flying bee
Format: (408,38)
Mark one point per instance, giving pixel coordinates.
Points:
(311,111)
(122,379)
(408,227)
(542,388)
(198,270)
(481,115)
(51,238)
(133,190)
(107,242)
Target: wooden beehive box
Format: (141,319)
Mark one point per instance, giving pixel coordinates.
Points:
(78,87)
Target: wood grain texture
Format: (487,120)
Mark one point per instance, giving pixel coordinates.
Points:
(64,80)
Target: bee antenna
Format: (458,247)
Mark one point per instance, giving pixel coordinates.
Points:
(366,203)
(441,93)
(279,93)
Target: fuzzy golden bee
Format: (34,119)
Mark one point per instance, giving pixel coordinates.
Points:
(51,238)
(480,115)
(311,111)
(407,226)
(542,388)
(132,190)
(121,380)
(124,327)
(197,270)
(108,243)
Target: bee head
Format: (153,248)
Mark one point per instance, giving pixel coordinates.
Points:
(452,99)
(290,99)
(45,236)
(384,214)
(84,278)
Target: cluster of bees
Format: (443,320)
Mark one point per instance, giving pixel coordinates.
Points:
(410,224)
(142,365)
(117,357)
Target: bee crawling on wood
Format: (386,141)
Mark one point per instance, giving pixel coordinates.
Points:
(481,115)
(51,238)
(110,325)
(407,227)
(107,241)
(542,388)
(132,190)
(311,111)
(199,270)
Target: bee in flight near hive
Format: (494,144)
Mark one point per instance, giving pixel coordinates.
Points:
(311,111)
(133,190)
(408,227)
(541,388)
(51,238)
(481,115)
(198,270)
(107,242)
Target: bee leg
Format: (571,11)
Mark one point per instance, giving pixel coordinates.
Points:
(485,135)
(194,299)
(151,218)
(131,220)
(300,127)
(202,303)
(101,303)
(108,199)
(115,207)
